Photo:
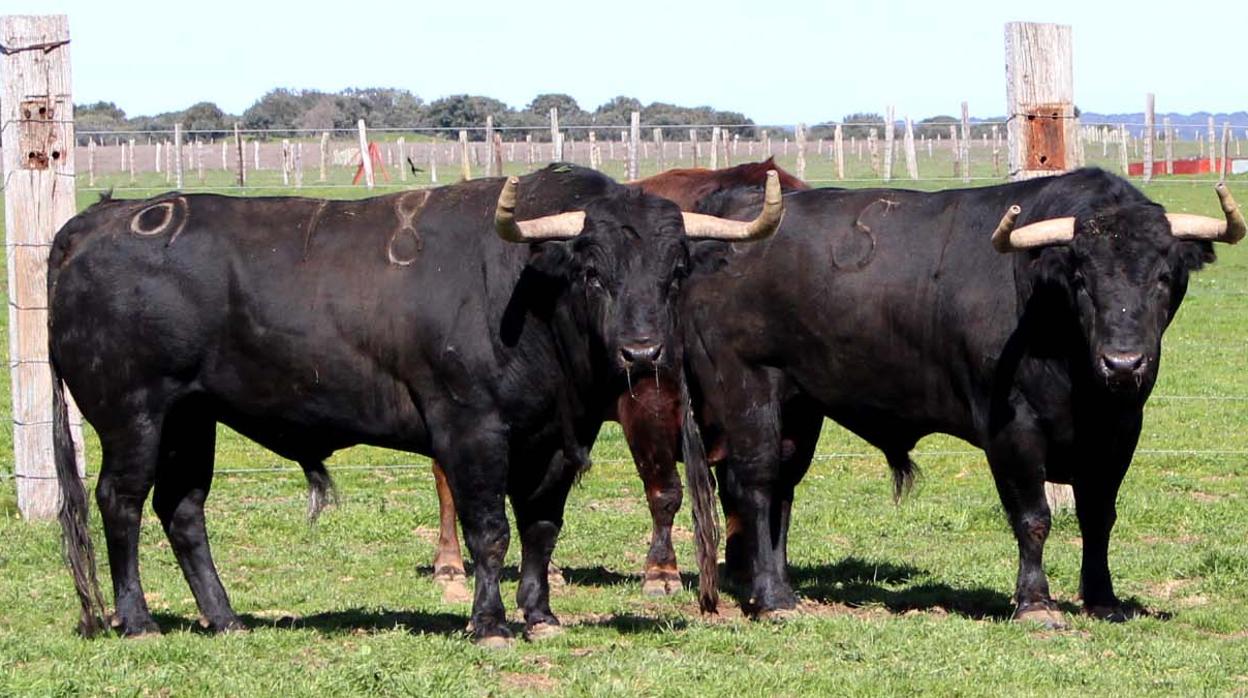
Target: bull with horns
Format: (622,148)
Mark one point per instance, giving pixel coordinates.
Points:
(901,314)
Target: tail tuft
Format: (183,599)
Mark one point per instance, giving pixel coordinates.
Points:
(904,473)
(321,489)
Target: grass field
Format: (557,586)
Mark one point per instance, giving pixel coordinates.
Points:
(905,598)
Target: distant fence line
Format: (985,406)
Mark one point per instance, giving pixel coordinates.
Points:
(834,152)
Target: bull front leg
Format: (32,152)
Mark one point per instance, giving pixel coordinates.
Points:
(1096,485)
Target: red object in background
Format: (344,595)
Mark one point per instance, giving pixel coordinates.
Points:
(1188,166)
(374,153)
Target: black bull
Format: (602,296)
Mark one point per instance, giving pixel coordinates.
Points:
(410,321)
(890,312)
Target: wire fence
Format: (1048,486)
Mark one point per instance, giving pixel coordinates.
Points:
(329,159)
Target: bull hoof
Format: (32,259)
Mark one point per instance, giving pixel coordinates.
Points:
(1111,614)
(542,631)
(1048,616)
(133,628)
(554,577)
(776,615)
(660,583)
(455,590)
(228,625)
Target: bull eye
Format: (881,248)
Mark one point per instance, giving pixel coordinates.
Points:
(592,278)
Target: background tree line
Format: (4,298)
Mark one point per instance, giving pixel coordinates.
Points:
(288,110)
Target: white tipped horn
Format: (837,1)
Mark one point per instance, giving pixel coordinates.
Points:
(700,225)
(559,226)
(1193,227)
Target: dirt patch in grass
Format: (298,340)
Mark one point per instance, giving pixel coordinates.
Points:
(527,682)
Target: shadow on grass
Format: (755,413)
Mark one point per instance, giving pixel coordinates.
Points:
(372,620)
(598,576)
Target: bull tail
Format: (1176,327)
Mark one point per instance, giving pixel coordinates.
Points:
(75,530)
(904,472)
(705,514)
(321,489)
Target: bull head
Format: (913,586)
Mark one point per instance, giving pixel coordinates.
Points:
(562,226)
(1057,231)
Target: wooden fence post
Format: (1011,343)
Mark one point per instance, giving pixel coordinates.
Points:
(887,173)
(402,161)
(157,156)
(1040,124)
(242,163)
(1040,99)
(660,149)
(298,164)
(177,155)
(91,162)
(131,159)
(38,114)
(1149,134)
(1213,140)
(693,145)
(1123,157)
(964,154)
(199,159)
(634,146)
(324,155)
(912,160)
(1225,168)
(489,143)
(465,167)
(497,153)
(874,148)
(1169,135)
(433,163)
(366,158)
(556,152)
(839,144)
(715,149)
(532,157)
(799,135)
(287,161)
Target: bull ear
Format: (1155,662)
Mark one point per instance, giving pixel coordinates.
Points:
(552,261)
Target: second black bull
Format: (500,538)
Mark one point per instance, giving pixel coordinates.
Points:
(900,314)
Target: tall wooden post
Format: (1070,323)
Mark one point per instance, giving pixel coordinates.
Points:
(1169,134)
(366,158)
(964,155)
(715,148)
(1040,124)
(242,162)
(799,135)
(402,144)
(177,154)
(1213,139)
(660,148)
(887,173)
(839,144)
(1040,99)
(37,128)
(489,143)
(465,166)
(324,154)
(912,160)
(556,147)
(634,146)
(1150,132)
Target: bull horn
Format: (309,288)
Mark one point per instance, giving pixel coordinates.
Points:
(559,226)
(1051,231)
(1192,227)
(700,225)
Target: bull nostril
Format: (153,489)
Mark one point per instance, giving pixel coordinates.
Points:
(1120,363)
(640,353)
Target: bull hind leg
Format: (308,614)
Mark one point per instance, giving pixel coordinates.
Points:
(448,563)
(130,453)
(183,480)
(650,420)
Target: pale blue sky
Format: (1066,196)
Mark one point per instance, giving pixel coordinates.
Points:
(778,62)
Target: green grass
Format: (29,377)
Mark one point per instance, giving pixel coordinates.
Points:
(899,598)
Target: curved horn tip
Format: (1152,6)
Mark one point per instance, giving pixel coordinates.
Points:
(1236,228)
(1001,236)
